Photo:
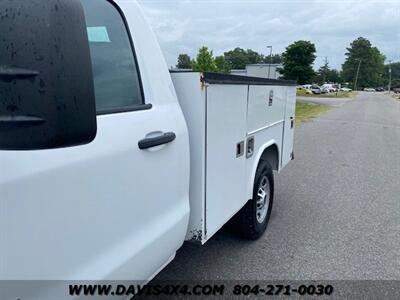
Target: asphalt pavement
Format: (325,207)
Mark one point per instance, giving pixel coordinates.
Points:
(335,102)
(336,213)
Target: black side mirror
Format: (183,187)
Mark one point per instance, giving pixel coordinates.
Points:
(47,95)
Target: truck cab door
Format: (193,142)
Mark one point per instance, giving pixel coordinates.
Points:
(147,166)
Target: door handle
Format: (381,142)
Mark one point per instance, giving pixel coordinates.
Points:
(165,138)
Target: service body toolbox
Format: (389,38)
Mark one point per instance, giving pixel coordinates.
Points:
(231,121)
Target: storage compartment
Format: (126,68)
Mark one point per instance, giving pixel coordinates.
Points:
(226,115)
(225,153)
(266,106)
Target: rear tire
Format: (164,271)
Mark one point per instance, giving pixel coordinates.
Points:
(254,216)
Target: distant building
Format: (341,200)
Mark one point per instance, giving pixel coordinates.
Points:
(260,70)
(242,72)
(253,70)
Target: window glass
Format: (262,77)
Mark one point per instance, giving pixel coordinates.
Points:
(116,78)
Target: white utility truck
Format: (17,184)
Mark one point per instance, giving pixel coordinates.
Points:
(108,161)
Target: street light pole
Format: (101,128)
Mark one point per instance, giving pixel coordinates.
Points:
(358,71)
(270,61)
(390,75)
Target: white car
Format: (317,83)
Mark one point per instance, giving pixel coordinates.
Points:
(369,90)
(326,90)
(329,88)
(345,89)
(316,89)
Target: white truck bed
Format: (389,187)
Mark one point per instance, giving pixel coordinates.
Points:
(226,114)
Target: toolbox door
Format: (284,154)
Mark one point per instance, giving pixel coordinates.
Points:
(266,106)
(288,135)
(225,154)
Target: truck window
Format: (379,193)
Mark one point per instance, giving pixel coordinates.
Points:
(116,77)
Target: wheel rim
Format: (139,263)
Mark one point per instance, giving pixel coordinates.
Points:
(262,203)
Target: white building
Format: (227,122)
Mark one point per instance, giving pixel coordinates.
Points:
(260,70)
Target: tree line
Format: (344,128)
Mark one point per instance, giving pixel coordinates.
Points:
(237,58)
(297,64)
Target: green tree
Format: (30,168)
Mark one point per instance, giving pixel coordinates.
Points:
(204,61)
(325,75)
(395,75)
(322,73)
(184,62)
(276,59)
(254,57)
(238,58)
(297,62)
(334,76)
(371,66)
(223,65)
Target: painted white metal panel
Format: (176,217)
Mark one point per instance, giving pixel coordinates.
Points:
(263,70)
(219,116)
(290,113)
(263,139)
(98,211)
(225,172)
(262,112)
(192,98)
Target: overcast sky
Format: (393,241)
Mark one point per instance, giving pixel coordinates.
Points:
(183,26)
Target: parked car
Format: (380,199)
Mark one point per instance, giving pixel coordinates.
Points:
(316,89)
(380,89)
(345,89)
(302,88)
(396,90)
(329,88)
(109,169)
(369,90)
(306,86)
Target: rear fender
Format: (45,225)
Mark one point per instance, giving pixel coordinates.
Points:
(259,155)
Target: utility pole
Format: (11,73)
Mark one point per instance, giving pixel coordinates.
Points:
(270,61)
(325,69)
(358,71)
(390,75)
